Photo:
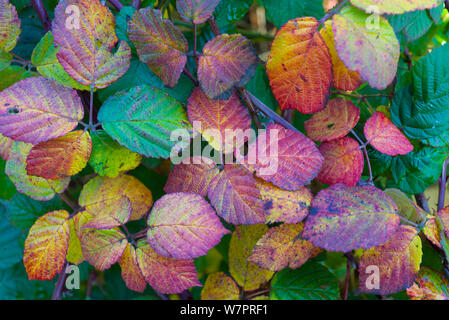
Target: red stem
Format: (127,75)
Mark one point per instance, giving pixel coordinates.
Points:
(59,288)
(42,14)
(116,4)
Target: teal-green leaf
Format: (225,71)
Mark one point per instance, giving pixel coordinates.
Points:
(10,249)
(142,119)
(23,211)
(121,23)
(312,281)
(231,11)
(7,188)
(416,171)
(5,59)
(280,11)
(422,108)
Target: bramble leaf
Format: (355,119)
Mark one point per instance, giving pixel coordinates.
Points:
(9,241)
(46,246)
(104,192)
(5,145)
(35,187)
(247,274)
(165,275)
(235,196)
(194,177)
(36,110)
(385,137)
(109,213)
(60,157)
(371,51)
(283,247)
(227,61)
(9,26)
(131,273)
(159,44)
(300,67)
(196,11)
(218,119)
(86,45)
(273,158)
(183,226)
(143,119)
(279,12)
(396,6)
(430,285)
(109,158)
(398,260)
(343,78)
(219,286)
(343,162)
(343,218)
(335,121)
(282,205)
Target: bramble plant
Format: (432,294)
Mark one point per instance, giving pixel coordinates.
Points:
(224,149)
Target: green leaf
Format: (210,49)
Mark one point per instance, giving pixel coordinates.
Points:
(139,74)
(230,11)
(416,171)
(121,24)
(312,281)
(259,86)
(109,158)
(10,249)
(47,64)
(142,120)
(422,108)
(7,189)
(280,11)
(13,74)
(5,60)
(23,211)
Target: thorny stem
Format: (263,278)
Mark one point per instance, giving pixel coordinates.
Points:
(366,155)
(42,14)
(214,26)
(59,287)
(116,4)
(251,108)
(334,11)
(191,77)
(443,179)
(409,222)
(64,198)
(288,115)
(136,4)
(130,236)
(422,202)
(348,274)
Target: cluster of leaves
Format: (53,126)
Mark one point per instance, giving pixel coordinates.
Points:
(335,203)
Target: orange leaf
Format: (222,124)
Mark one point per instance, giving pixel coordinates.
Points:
(61,157)
(343,162)
(338,118)
(383,135)
(343,79)
(131,273)
(46,246)
(218,118)
(300,67)
(219,286)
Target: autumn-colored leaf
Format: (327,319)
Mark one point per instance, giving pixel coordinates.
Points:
(74,249)
(430,285)
(165,275)
(286,158)
(283,247)
(131,273)
(5,145)
(221,122)
(343,162)
(36,110)
(227,61)
(372,51)
(396,6)
(103,248)
(247,274)
(406,207)
(104,191)
(300,67)
(343,218)
(109,213)
(444,218)
(383,135)
(35,187)
(196,11)
(109,158)
(219,286)
(432,232)
(343,78)
(335,121)
(60,157)
(194,177)
(282,205)
(183,226)
(397,260)
(86,45)
(9,26)
(160,44)
(235,196)
(46,246)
